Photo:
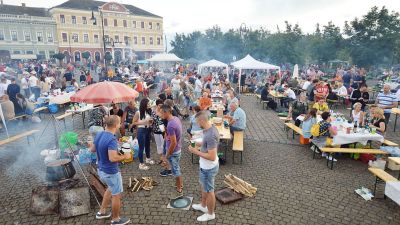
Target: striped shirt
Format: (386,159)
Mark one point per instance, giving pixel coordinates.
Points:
(385,100)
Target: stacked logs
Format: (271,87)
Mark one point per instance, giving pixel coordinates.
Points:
(145,183)
(239,186)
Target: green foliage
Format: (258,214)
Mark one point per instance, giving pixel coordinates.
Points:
(372,40)
(60,56)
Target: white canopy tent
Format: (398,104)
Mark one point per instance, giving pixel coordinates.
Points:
(249,63)
(213,64)
(165,57)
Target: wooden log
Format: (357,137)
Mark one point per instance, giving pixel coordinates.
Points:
(97,184)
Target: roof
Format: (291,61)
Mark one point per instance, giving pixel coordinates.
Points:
(94,5)
(249,62)
(21,10)
(165,57)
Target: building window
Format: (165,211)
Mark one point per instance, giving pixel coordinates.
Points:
(135,40)
(151,40)
(29,52)
(84,20)
(96,38)
(62,18)
(73,19)
(39,36)
(150,25)
(75,38)
(27,35)
(86,38)
(126,40)
(106,38)
(115,23)
(116,38)
(158,26)
(142,25)
(49,37)
(16,52)
(64,37)
(1,35)
(14,35)
(143,40)
(134,24)
(158,41)
(105,22)
(125,23)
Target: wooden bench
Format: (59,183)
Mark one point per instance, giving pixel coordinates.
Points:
(381,176)
(333,151)
(17,137)
(62,117)
(18,117)
(237,145)
(258,97)
(295,129)
(389,143)
(39,110)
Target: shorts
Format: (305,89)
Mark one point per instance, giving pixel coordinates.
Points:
(174,161)
(207,178)
(113,182)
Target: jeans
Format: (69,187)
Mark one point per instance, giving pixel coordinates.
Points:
(143,137)
(27,93)
(285,102)
(387,117)
(232,128)
(36,92)
(207,178)
(113,181)
(175,161)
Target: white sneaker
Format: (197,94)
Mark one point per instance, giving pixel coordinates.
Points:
(330,158)
(206,217)
(143,166)
(198,207)
(150,161)
(324,154)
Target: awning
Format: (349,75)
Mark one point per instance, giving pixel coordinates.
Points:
(27,56)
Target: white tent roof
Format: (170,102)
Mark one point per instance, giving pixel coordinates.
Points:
(213,63)
(165,57)
(249,62)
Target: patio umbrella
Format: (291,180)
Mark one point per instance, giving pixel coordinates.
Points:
(105,92)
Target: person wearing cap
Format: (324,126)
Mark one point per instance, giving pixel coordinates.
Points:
(25,84)
(34,84)
(12,90)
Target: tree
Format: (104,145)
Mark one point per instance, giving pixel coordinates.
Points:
(60,56)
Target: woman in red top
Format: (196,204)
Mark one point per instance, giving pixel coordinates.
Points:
(205,101)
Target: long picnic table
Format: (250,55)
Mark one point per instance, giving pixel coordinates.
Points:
(395,160)
(395,111)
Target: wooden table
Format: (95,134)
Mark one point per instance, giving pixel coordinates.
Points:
(395,111)
(396,161)
(224,135)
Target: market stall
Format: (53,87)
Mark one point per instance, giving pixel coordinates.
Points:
(249,63)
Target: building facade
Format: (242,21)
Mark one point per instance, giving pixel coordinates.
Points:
(98,28)
(26,33)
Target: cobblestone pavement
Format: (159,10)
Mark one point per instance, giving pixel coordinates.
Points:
(292,187)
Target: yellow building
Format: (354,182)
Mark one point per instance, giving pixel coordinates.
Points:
(129,33)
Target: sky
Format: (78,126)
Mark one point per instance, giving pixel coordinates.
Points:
(185,16)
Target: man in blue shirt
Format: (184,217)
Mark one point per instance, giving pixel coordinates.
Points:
(347,78)
(106,148)
(386,101)
(237,119)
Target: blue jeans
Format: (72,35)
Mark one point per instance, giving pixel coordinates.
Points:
(235,129)
(113,182)
(36,92)
(143,137)
(174,161)
(207,178)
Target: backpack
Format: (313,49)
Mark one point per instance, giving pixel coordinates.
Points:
(315,130)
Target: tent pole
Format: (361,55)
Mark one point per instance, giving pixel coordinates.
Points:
(240,77)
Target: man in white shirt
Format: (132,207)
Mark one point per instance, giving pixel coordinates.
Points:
(341,90)
(34,84)
(306,84)
(198,87)
(176,88)
(3,86)
(289,96)
(25,84)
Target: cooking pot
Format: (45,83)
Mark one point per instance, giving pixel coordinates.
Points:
(60,170)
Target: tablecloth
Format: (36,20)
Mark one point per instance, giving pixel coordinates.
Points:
(60,99)
(392,190)
(342,138)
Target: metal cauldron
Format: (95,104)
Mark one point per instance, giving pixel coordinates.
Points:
(60,170)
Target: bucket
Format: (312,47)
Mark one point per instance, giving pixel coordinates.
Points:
(304,141)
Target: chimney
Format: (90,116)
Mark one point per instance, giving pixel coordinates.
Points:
(23,4)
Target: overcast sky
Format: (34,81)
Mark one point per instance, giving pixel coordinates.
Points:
(189,15)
